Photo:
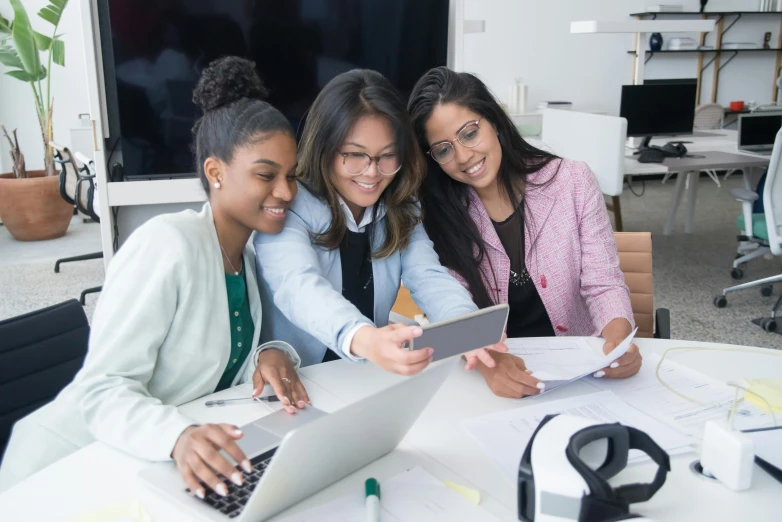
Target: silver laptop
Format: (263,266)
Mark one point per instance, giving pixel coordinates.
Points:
(757,131)
(294,456)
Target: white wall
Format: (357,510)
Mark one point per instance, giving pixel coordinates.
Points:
(531,39)
(524,38)
(17,108)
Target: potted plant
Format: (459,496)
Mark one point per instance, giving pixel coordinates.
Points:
(30,203)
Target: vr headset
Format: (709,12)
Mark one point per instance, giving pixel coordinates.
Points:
(564,472)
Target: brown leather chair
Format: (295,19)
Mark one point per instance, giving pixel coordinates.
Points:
(635,260)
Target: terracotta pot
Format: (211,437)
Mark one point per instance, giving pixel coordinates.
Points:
(32,208)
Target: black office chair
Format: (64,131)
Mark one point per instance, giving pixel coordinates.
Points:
(77,186)
(40,354)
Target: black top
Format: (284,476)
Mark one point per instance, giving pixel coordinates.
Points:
(358,286)
(527,316)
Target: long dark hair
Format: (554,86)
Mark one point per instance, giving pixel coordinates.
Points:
(444,200)
(341,103)
(230,94)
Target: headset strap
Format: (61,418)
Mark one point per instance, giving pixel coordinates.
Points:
(632,493)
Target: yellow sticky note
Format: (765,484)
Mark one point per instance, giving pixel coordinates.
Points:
(472,495)
(124,512)
(769,389)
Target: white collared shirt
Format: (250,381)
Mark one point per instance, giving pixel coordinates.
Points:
(366,219)
(360,228)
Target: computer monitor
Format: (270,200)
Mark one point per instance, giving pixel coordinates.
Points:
(669,81)
(757,131)
(654,110)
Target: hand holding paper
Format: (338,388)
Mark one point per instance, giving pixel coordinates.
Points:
(558,361)
(628,363)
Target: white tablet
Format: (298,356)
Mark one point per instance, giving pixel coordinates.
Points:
(464,333)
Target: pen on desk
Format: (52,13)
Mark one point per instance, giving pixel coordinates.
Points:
(372,491)
(229,402)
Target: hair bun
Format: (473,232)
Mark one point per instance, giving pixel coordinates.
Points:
(227,80)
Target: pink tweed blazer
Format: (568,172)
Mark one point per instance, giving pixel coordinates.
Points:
(570,251)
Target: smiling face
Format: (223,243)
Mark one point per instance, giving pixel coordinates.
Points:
(475,166)
(372,135)
(258,185)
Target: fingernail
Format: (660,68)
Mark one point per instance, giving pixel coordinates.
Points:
(286,401)
(430,351)
(599,374)
(302,404)
(540,386)
(236,478)
(614,365)
(221,489)
(247,466)
(417,332)
(200,494)
(238,433)
(256,392)
(528,371)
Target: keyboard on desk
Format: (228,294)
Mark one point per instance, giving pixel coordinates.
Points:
(233,503)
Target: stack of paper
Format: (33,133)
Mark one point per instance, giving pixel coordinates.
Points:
(665,8)
(682,44)
(412,496)
(559,360)
(505,435)
(645,392)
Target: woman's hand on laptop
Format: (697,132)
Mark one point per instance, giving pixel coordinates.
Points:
(509,377)
(197,455)
(275,368)
(385,347)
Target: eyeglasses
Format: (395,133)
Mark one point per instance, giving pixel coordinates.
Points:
(469,136)
(357,163)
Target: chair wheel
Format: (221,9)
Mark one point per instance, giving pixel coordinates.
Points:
(720,301)
(737,273)
(768,324)
(766,290)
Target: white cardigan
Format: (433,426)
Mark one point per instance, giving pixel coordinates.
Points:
(160,338)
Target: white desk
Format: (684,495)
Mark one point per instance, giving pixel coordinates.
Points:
(97,475)
(723,142)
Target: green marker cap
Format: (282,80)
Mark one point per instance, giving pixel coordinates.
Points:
(372,487)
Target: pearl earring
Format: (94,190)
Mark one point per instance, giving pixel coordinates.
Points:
(217,185)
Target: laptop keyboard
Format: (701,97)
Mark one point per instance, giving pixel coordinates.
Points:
(233,503)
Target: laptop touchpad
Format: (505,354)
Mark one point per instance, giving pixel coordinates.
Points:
(257,440)
(281,422)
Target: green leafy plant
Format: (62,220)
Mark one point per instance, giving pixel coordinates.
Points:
(24,51)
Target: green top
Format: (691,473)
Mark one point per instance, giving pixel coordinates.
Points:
(242,327)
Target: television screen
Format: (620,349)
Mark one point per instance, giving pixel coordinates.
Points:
(155,50)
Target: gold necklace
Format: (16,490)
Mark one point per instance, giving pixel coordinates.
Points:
(236,272)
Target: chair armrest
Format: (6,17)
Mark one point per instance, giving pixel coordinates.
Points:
(662,323)
(744,195)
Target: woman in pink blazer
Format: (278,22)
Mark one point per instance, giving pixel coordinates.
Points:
(517,225)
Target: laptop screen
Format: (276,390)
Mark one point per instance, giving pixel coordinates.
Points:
(759,130)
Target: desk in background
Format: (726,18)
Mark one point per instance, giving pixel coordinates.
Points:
(97,475)
(719,149)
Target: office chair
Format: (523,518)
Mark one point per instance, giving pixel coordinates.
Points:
(710,116)
(595,139)
(40,354)
(635,261)
(762,234)
(77,186)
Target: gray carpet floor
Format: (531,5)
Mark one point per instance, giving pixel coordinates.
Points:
(689,269)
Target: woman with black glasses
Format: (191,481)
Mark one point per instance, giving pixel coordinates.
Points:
(354,234)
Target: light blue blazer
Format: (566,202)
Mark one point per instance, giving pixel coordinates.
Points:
(302,295)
